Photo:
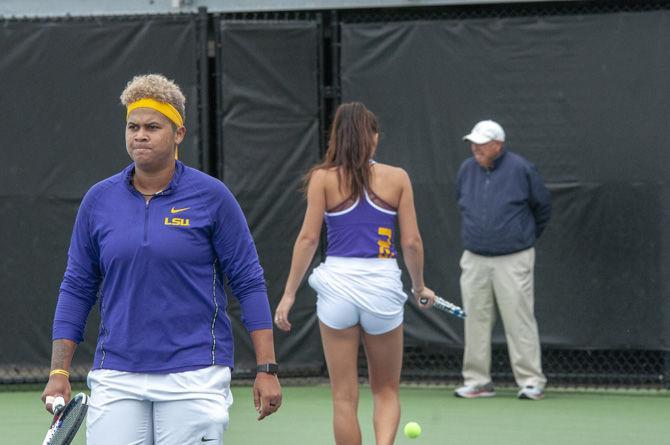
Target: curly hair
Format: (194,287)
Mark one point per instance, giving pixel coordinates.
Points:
(157,87)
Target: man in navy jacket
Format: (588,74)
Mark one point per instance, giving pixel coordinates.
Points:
(504,207)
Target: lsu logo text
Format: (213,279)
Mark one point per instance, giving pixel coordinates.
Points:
(182,222)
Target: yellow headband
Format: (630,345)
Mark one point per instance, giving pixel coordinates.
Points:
(163,108)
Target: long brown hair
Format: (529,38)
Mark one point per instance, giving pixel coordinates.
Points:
(350,148)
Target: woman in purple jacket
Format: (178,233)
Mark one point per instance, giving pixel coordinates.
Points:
(153,245)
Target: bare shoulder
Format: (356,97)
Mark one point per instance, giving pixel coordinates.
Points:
(392,171)
(390,183)
(321,176)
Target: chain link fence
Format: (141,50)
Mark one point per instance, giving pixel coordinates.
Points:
(565,368)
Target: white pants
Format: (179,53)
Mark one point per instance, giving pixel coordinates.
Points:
(129,408)
(508,281)
(363,291)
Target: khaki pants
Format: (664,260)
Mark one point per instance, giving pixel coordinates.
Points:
(507,280)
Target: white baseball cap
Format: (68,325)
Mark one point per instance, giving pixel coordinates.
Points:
(485,131)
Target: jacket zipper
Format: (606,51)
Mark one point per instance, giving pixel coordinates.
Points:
(146,223)
(487,181)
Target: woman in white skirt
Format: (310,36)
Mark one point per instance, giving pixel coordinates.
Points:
(358,286)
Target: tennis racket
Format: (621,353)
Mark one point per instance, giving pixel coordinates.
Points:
(67,420)
(446,306)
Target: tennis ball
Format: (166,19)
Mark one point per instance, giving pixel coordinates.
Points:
(412,430)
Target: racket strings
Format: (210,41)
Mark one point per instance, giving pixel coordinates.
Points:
(66,427)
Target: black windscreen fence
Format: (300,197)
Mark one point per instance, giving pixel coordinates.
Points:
(270,131)
(64,131)
(571,101)
(579,88)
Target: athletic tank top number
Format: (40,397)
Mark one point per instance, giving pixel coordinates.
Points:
(385,244)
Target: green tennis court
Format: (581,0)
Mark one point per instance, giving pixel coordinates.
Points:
(614,417)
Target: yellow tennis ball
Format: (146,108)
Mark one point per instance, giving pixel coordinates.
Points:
(412,430)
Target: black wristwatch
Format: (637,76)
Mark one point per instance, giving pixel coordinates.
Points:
(269,368)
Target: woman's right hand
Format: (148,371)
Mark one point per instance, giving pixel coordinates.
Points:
(281,314)
(425,297)
(57,386)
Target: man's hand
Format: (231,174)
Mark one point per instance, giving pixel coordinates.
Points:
(267,394)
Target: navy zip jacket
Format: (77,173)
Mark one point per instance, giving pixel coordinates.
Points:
(504,209)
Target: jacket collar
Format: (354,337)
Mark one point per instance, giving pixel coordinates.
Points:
(497,161)
(129,171)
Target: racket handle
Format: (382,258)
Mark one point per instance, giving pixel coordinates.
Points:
(444,305)
(451,308)
(58,404)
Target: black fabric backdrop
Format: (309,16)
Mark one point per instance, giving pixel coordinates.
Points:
(583,97)
(270,127)
(63,131)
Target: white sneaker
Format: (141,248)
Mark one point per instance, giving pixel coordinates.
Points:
(531,393)
(473,392)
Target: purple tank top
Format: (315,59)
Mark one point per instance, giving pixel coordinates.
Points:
(364,230)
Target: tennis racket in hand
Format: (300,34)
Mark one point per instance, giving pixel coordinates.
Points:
(67,420)
(446,306)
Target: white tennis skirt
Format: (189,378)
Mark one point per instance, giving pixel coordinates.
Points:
(371,284)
